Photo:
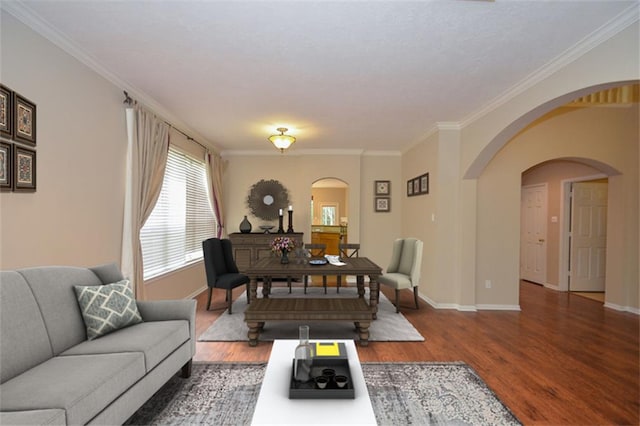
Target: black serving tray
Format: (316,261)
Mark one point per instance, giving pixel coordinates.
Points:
(308,390)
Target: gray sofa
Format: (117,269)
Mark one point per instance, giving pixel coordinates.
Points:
(51,373)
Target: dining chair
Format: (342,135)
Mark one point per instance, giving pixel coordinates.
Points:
(316,251)
(404,269)
(348,250)
(221,269)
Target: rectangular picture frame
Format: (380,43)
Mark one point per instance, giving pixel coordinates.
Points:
(24,169)
(410,188)
(382,187)
(24,119)
(424,183)
(6,112)
(383,204)
(6,166)
(416,186)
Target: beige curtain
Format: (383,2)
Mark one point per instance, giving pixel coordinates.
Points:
(214,183)
(146,162)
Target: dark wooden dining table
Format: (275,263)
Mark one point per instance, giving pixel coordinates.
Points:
(270,267)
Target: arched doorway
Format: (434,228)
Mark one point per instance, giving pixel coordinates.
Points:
(329,213)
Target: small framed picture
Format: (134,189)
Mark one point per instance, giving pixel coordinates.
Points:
(424,183)
(409,188)
(6,171)
(24,119)
(24,169)
(383,187)
(416,186)
(6,114)
(383,204)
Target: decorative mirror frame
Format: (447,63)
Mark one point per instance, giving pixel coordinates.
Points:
(262,193)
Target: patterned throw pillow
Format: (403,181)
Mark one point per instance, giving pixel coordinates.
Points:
(107,308)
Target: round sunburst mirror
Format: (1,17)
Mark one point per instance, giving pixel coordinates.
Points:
(266,197)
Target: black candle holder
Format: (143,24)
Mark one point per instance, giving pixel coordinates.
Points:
(280,228)
(290,228)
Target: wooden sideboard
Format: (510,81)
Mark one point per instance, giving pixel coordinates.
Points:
(249,247)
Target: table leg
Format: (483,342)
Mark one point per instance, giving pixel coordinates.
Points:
(363,331)
(266,287)
(253,288)
(254,332)
(360,285)
(373,295)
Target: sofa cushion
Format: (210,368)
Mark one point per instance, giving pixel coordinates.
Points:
(33,417)
(52,287)
(24,341)
(81,385)
(157,340)
(107,308)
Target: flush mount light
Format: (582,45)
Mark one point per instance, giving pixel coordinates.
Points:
(282,141)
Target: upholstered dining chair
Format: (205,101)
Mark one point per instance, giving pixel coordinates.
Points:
(404,269)
(347,250)
(221,269)
(316,250)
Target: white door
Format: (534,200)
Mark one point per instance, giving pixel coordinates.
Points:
(533,234)
(588,236)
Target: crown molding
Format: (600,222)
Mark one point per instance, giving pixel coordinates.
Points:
(28,17)
(626,18)
(307,152)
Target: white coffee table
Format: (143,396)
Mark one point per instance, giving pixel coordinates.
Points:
(275,407)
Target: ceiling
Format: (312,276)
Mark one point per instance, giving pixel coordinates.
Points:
(356,75)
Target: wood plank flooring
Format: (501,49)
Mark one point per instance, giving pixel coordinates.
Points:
(562,360)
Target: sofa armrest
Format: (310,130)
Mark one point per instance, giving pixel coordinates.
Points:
(167,310)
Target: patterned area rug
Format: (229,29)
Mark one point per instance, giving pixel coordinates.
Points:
(390,326)
(401,394)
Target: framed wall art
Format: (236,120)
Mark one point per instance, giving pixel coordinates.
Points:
(24,119)
(424,183)
(409,188)
(6,169)
(6,112)
(24,169)
(383,187)
(383,204)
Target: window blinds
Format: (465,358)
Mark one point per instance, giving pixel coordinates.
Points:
(182,218)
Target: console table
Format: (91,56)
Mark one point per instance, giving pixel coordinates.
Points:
(248,248)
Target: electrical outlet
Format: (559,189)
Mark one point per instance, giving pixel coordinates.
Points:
(487,283)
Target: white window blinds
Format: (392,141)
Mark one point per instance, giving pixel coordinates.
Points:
(182,218)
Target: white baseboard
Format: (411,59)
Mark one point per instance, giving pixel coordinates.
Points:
(468,308)
(622,308)
(489,307)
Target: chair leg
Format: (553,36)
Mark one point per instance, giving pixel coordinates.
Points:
(289,283)
(209,298)
(306,281)
(247,292)
(415,297)
(338,283)
(229,300)
(397,301)
(324,283)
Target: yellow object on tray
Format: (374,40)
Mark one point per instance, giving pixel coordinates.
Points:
(327,349)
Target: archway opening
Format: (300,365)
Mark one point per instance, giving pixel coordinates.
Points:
(329,213)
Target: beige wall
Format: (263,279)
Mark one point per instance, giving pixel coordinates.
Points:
(298,172)
(553,173)
(608,135)
(75,217)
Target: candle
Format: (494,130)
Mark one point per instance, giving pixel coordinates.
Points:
(290,208)
(280,212)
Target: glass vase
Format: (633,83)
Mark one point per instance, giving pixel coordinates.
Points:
(285,256)
(303,356)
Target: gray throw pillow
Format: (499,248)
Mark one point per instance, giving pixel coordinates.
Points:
(107,308)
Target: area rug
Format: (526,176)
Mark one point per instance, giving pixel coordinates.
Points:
(389,327)
(401,394)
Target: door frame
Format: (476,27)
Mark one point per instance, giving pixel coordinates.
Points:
(565,226)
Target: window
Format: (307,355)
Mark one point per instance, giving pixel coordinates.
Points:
(329,213)
(182,218)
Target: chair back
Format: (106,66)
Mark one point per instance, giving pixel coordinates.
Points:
(349,249)
(218,259)
(316,250)
(406,258)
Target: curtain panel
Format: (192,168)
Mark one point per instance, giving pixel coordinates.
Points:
(214,183)
(148,147)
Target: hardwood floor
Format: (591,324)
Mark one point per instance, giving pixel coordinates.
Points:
(562,360)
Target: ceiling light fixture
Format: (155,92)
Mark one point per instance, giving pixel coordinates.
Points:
(282,141)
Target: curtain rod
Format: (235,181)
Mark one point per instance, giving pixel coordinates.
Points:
(129,101)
